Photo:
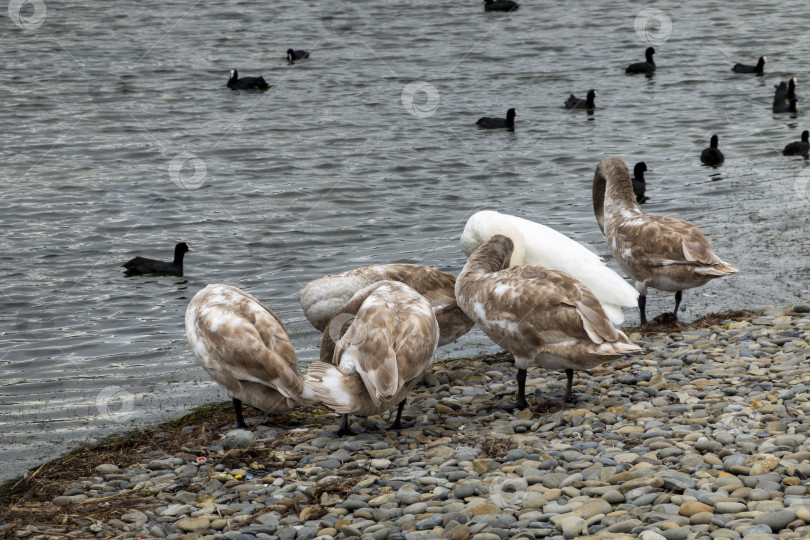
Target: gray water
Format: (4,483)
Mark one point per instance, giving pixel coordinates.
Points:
(121,139)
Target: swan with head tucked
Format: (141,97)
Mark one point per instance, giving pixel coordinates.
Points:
(661,252)
(541,316)
(245,348)
(323,298)
(540,245)
(387,346)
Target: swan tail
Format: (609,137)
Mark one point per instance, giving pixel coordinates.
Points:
(614,313)
(622,347)
(331,387)
(717,270)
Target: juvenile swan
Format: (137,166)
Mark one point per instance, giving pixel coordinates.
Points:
(244,347)
(389,344)
(537,244)
(665,253)
(323,298)
(541,316)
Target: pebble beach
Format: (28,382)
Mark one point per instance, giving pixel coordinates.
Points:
(704,435)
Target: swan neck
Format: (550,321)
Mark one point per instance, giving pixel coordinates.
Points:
(599,199)
(613,190)
(492,256)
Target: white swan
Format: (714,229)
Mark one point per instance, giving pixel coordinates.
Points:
(386,349)
(323,298)
(244,347)
(543,246)
(541,316)
(665,253)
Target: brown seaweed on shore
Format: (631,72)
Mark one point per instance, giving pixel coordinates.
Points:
(492,448)
(666,322)
(28,499)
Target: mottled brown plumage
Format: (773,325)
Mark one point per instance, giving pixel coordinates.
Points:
(244,347)
(389,336)
(662,252)
(542,316)
(324,298)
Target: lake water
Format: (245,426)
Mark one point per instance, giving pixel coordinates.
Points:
(121,139)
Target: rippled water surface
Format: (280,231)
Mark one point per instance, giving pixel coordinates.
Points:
(328,170)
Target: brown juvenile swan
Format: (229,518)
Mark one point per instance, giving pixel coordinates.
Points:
(244,347)
(541,316)
(323,298)
(389,345)
(665,253)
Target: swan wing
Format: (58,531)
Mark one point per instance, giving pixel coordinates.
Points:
(665,241)
(238,339)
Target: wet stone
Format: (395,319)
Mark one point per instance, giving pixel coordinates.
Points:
(702,435)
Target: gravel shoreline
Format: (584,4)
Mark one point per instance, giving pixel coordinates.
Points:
(702,436)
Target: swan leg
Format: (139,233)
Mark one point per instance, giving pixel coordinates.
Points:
(398,422)
(521,402)
(558,395)
(678,297)
(569,373)
(642,308)
(237,408)
(344,427)
(521,397)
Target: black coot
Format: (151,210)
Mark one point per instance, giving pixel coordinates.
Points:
(489,122)
(142,265)
(784,95)
(500,5)
(744,68)
(574,102)
(791,106)
(643,67)
(799,147)
(712,155)
(246,83)
(639,184)
(293,55)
